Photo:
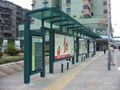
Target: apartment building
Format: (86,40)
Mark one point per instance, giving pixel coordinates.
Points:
(92,13)
(11,16)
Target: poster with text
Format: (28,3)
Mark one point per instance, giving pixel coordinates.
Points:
(37,53)
(91,46)
(64,46)
(82,46)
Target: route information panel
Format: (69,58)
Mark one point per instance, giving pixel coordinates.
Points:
(37,53)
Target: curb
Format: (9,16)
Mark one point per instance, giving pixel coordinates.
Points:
(11,68)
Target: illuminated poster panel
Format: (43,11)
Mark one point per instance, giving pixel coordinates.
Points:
(64,46)
(91,46)
(83,46)
(37,53)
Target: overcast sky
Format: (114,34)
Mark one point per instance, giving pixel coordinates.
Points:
(115,7)
(115,11)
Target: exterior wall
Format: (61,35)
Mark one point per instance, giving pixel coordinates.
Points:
(76,8)
(88,12)
(11,16)
(41,4)
(97,8)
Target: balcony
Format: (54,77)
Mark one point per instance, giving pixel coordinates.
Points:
(87,9)
(7,31)
(87,13)
(45,3)
(87,2)
(8,35)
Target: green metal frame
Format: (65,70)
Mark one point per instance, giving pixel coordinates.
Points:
(56,17)
(34,33)
(26,50)
(88,48)
(51,61)
(77,49)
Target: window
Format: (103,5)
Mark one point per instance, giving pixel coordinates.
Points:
(85,7)
(45,3)
(68,10)
(92,14)
(105,3)
(68,2)
(105,11)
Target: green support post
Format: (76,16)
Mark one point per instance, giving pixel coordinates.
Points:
(94,47)
(27,50)
(73,60)
(43,31)
(88,48)
(51,61)
(77,49)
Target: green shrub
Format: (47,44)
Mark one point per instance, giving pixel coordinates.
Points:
(1,54)
(11,50)
(7,58)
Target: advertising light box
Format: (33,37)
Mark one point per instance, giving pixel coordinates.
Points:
(64,46)
(91,46)
(82,46)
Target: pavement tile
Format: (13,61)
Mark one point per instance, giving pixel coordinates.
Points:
(6,69)
(15,67)
(2,74)
(20,63)
(94,77)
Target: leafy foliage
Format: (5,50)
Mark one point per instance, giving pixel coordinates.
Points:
(1,54)
(11,50)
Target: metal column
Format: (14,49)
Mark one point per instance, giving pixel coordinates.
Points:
(88,48)
(51,40)
(77,49)
(27,50)
(43,32)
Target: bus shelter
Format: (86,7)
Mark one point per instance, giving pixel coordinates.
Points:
(63,32)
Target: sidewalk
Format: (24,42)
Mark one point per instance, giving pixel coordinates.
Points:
(89,75)
(96,76)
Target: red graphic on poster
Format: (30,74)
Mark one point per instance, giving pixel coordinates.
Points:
(64,46)
(58,50)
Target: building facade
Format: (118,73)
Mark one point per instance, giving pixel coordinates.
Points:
(11,16)
(92,13)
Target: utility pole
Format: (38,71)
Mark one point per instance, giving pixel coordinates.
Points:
(108,31)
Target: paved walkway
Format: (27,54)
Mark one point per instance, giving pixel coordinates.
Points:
(89,75)
(96,76)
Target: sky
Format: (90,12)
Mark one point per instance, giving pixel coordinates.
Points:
(115,7)
(23,3)
(115,12)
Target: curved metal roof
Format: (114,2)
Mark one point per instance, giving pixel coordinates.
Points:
(61,19)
